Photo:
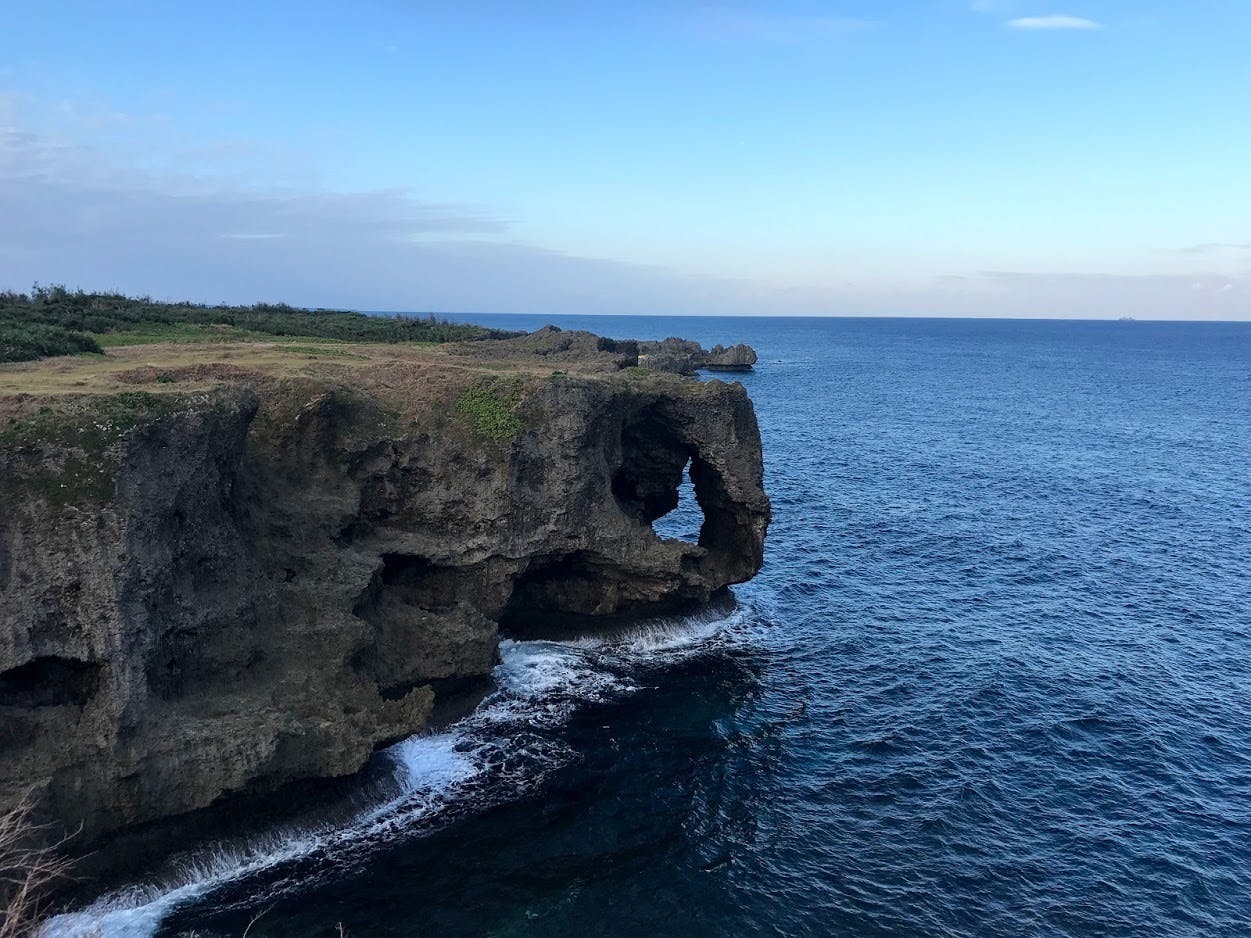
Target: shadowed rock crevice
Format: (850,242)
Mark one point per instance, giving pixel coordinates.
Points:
(727,529)
(412,581)
(49,681)
(554,592)
(564,594)
(428,624)
(653,457)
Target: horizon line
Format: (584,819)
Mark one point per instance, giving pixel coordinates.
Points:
(969,317)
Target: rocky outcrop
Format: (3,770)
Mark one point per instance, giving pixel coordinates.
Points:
(584,352)
(565,348)
(221,591)
(684,357)
(735,358)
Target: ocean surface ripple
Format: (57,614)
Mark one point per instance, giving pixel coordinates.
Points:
(995,679)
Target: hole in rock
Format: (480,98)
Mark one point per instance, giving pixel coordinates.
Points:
(684,520)
(663,476)
(720,532)
(49,682)
(653,481)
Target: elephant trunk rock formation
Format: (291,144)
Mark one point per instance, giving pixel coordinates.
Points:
(233,580)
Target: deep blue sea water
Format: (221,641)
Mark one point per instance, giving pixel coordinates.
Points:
(994,679)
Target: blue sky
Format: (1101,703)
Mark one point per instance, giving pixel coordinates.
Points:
(913,157)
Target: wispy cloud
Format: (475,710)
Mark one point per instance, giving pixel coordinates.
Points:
(1154,296)
(84,215)
(1058,21)
(1215,247)
(81,215)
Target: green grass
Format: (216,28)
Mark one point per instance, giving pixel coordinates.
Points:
(92,423)
(55,321)
(326,349)
(173,332)
(490,406)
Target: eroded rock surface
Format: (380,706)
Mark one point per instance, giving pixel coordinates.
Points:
(735,358)
(225,589)
(684,357)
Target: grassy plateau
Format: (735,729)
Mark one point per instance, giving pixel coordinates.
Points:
(53,320)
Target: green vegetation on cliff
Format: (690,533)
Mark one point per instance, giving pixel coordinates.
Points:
(56,321)
(490,405)
(64,454)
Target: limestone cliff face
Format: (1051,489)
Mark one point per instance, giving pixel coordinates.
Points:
(224,590)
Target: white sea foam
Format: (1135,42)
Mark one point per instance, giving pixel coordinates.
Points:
(501,749)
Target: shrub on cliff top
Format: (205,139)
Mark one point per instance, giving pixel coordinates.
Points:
(21,342)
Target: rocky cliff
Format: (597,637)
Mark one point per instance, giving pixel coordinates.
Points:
(219,576)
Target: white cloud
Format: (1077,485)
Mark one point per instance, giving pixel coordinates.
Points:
(1058,21)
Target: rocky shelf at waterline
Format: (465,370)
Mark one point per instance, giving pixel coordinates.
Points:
(229,566)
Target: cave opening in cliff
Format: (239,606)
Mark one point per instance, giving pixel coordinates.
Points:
(555,592)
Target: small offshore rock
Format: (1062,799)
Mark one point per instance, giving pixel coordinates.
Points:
(736,358)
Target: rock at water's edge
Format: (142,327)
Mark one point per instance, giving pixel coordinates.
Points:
(736,358)
(266,582)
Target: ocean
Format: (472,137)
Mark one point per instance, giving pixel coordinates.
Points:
(993,680)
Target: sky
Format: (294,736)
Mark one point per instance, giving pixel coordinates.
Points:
(1075,158)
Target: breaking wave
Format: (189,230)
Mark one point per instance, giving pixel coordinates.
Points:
(498,752)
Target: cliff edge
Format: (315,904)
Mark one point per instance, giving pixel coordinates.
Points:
(224,568)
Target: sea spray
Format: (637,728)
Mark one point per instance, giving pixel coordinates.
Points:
(497,753)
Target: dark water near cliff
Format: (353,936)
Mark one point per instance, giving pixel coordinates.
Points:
(995,679)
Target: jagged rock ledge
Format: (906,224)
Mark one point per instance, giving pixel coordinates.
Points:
(225,568)
(669,356)
(684,357)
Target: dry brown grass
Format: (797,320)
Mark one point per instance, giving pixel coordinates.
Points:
(409,383)
(29,868)
(411,377)
(195,366)
(188,366)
